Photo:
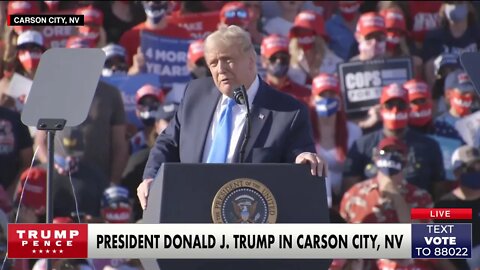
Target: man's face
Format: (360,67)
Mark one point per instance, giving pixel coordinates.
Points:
(230,67)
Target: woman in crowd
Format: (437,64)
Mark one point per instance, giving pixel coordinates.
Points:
(309,52)
(333,133)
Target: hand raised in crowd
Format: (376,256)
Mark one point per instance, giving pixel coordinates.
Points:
(138,63)
(373,117)
(387,186)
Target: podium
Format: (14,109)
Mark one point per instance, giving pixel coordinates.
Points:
(236,193)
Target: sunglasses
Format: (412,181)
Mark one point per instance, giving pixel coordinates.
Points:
(283,58)
(419,101)
(242,14)
(378,36)
(395,103)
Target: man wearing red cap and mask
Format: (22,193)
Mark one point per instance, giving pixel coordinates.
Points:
(341,27)
(275,60)
(155,23)
(92,28)
(462,99)
(420,117)
(424,164)
(371,37)
(22,8)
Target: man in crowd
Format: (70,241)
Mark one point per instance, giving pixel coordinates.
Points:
(424,160)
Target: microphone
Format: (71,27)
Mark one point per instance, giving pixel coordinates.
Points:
(240,96)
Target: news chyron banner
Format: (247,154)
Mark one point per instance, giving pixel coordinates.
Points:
(246,241)
(55,27)
(362,81)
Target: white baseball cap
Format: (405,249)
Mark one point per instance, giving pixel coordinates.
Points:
(30,37)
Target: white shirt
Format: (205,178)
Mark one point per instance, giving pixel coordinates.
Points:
(238,119)
(335,167)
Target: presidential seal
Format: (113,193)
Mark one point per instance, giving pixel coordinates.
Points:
(244,200)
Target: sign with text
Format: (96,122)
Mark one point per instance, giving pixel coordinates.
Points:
(199,25)
(442,241)
(165,57)
(362,81)
(55,36)
(128,86)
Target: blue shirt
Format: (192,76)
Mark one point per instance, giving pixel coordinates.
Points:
(444,125)
(341,38)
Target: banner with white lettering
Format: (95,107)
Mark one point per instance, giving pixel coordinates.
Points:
(362,81)
(56,36)
(128,86)
(199,25)
(165,57)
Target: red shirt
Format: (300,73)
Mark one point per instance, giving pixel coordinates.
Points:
(300,92)
(130,40)
(362,203)
(424,17)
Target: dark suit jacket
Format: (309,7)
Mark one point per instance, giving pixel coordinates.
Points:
(280,128)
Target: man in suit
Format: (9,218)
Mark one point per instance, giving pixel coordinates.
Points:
(280,126)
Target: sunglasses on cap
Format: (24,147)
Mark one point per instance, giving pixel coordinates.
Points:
(391,151)
(395,103)
(282,57)
(238,13)
(419,101)
(378,36)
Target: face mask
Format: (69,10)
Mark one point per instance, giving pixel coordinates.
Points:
(371,49)
(306,41)
(348,10)
(29,60)
(106,72)
(326,107)
(461,104)
(277,69)
(457,12)
(156,12)
(389,164)
(89,32)
(394,119)
(420,115)
(117,215)
(393,41)
(470,180)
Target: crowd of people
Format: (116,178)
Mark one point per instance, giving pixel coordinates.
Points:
(380,161)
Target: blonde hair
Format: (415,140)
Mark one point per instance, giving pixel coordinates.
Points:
(230,36)
(296,52)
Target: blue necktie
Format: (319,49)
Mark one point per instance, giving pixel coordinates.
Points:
(221,140)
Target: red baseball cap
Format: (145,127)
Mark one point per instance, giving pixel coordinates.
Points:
(148,90)
(236,13)
(23,7)
(91,15)
(393,143)
(324,82)
(393,90)
(370,22)
(309,20)
(273,44)
(196,50)
(394,19)
(35,193)
(417,89)
(80,42)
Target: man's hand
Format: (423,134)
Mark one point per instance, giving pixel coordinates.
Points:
(317,164)
(387,186)
(138,63)
(142,192)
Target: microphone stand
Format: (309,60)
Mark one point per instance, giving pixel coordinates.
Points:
(241,97)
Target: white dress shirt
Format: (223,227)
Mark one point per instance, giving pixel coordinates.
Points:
(238,119)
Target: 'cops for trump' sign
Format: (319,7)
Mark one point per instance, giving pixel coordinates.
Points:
(362,81)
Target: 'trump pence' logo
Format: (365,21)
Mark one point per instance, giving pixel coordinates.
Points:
(47,240)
